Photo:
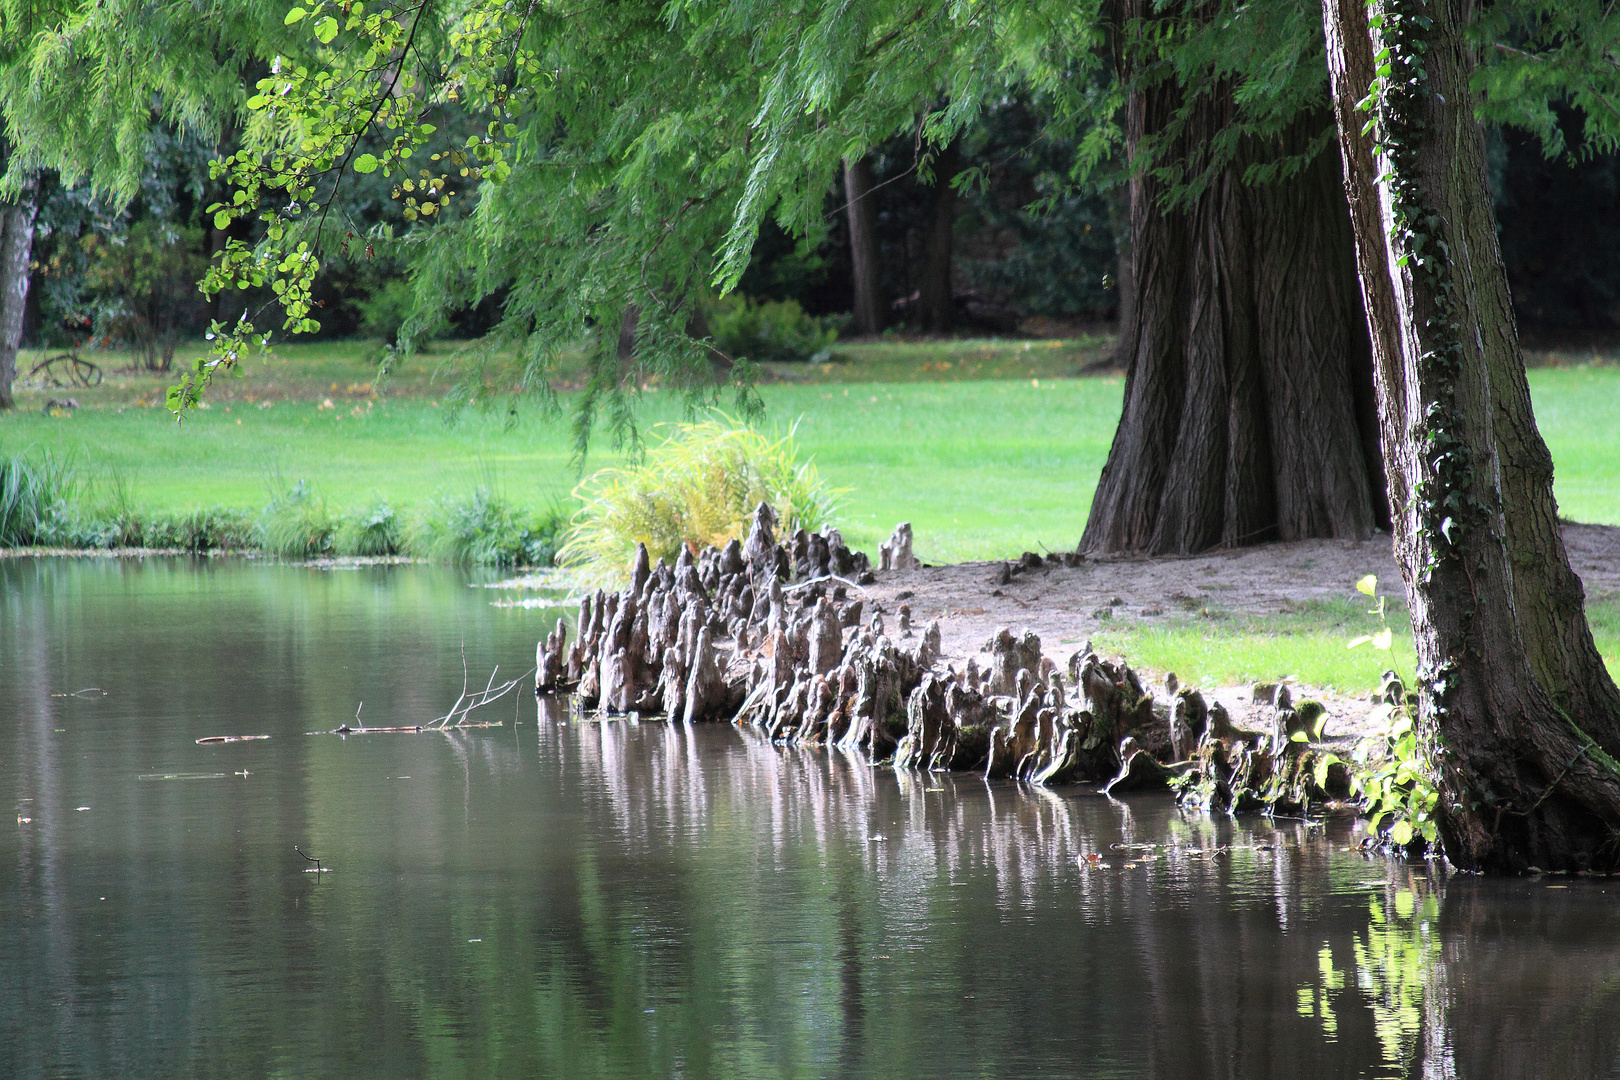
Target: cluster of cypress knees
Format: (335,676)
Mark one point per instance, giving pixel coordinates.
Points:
(768,634)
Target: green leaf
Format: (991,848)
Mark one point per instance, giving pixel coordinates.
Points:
(222,220)
(327,30)
(296,15)
(1382,639)
(365,163)
(1368,585)
(1401,833)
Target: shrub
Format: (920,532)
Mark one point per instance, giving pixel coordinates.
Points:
(143,287)
(385,311)
(374,531)
(297,524)
(482,528)
(197,531)
(698,486)
(770,330)
(35,500)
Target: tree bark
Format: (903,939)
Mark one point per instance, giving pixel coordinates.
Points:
(1520,715)
(868,303)
(1248,412)
(16,246)
(938,302)
(1119,213)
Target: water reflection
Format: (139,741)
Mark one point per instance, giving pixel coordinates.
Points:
(559,897)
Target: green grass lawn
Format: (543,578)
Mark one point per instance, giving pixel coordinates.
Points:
(983,468)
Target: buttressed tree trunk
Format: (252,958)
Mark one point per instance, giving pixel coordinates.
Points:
(938,303)
(16,246)
(1520,717)
(858,184)
(1248,412)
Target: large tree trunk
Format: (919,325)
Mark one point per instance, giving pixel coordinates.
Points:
(16,246)
(1521,717)
(938,302)
(1248,411)
(863,256)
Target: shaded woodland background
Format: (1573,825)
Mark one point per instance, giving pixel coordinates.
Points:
(1023,248)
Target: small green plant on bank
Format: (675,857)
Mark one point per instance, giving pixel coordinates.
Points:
(699,485)
(482,528)
(373,531)
(1393,768)
(297,523)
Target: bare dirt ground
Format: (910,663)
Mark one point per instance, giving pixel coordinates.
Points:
(1064,605)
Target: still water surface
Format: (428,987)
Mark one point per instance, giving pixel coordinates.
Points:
(550,898)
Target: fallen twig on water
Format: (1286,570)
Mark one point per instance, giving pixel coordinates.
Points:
(211,739)
(466,702)
(319,869)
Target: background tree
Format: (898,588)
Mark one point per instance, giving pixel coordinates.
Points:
(84,86)
(1248,410)
(860,205)
(17,213)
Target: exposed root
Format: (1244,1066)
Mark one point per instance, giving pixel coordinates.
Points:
(719,637)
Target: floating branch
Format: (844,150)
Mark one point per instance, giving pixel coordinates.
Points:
(467,701)
(211,739)
(456,718)
(319,869)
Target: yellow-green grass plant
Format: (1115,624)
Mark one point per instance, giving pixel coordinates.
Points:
(698,484)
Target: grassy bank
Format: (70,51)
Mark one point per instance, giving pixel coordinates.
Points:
(983,467)
(988,447)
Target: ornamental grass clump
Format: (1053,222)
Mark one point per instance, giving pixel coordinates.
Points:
(699,485)
(297,524)
(35,496)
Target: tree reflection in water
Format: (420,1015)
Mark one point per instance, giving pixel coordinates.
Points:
(1285,955)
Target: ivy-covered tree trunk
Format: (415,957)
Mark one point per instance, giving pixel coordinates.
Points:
(868,301)
(938,302)
(1248,412)
(16,247)
(1520,717)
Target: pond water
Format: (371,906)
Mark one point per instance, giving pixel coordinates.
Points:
(554,898)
